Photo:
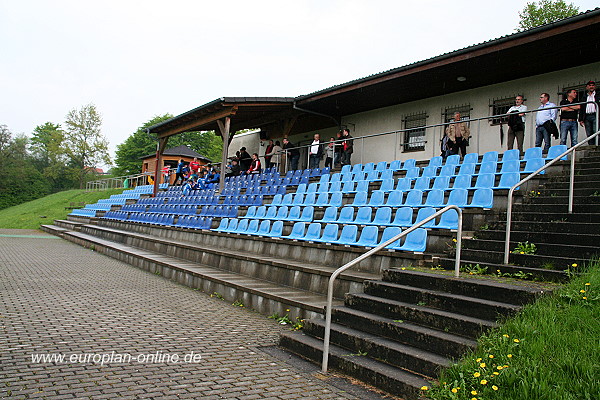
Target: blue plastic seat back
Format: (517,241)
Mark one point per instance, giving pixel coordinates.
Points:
(312,187)
(368,236)
(414,198)
(423,213)
(362,186)
(532,152)
(483,198)
(395,198)
(313,233)
(471,158)
(357,168)
(288,199)
(295,213)
(311,199)
(372,176)
(435,198)
(423,183)
(453,159)
(348,235)
(510,166)
(346,168)
(448,220)
(412,173)
(383,216)
(348,187)
(387,185)
(276,229)
(458,197)
(298,199)
(223,225)
(508,180)
(448,170)
(260,212)
(403,217)
(462,182)
(346,215)
(301,188)
(306,173)
(358,176)
(533,164)
(404,184)
(410,163)
(513,154)
(381,166)
(395,165)
(490,156)
(323,187)
(337,177)
(282,213)
(271,212)
(322,200)
(489,167)
(336,199)
(363,216)
(436,161)
(369,167)
(360,199)
(264,228)
(377,198)
(430,171)
(297,231)
(337,186)
(389,233)
(415,241)
(441,182)
(308,213)
(330,215)
(330,233)
(242,226)
(252,227)
(250,213)
(467,169)
(386,174)
(555,151)
(324,178)
(485,181)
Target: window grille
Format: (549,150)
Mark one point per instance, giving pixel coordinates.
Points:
(414,136)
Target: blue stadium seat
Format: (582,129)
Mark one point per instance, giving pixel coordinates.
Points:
(387,185)
(313,233)
(253,226)
(485,181)
(322,200)
(415,241)
(312,187)
(462,182)
(386,174)
(348,235)
(307,214)
(260,212)
(510,166)
(330,215)
(510,155)
(346,168)
(441,183)
(368,167)
(412,173)
(408,164)
(301,188)
(395,165)
(337,186)
(423,213)
(358,176)
(271,213)
(360,199)
(471,158)
(336,199)
(330,234)
(555,151)
(383,216)
(324,178)
(362,186)
(294,214)
(403,217)
(381,166)
(395,198)
(323,187)
(508,180)
(276,229)
(430,171)
(297,231)
(368,236)
(453,159)
(363,216)
(337,177)
(250,213)
(448,170)
(436,161)
(467,169)
(482,198)
(298,199)
(377,198)
(372,176)
(414,198)
(423,183)
(448,220)
(532,152)
(357,168)
(490,156)
(264,228)
(282,213)
(458,197)
(241,227)
(346,215)
(349,187)
(311,199)
(435,198)
(389,233)
(488,168)
(533,164)
(404,184)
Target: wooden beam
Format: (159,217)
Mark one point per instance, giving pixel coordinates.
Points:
(199,122)
(160,149)
(224,127)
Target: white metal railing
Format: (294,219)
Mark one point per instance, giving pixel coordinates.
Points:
(119,181)
(528,177)
(368,254)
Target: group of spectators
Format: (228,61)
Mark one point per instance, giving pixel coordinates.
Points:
(457,134)
(338,151)
(244,163)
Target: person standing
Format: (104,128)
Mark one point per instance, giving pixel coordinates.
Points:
(315,152)
(275,155)
(245,159)
(347,147)
(269,155)
(458,134)
(587,112)
(568,118)
(546,115)
(338,149)
(516,124)
(194,167)
(292,153)
(329,153)
(179,172)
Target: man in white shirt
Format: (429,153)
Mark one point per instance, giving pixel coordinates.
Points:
(587,112)
(516,130)
(315,152)
(541,117)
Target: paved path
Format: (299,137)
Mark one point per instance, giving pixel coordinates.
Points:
(57,298)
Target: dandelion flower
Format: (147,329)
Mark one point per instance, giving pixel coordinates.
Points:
(496,373)
(506,366)
(506,336)
(574,265)
(476,374)
(482,365)
(474,398)
(474,392)
(483,382)
(491,356)
(479,359)
(494,387)
(588,284)
(585,298)
(516,340)
(402,268)
(582,291)
(509,355)
(424,388)
(522,252)
(454,390)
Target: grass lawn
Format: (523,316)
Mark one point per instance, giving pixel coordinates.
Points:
(42,211)
(550,350)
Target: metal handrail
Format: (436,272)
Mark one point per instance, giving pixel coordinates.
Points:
(528,177)
(369,254)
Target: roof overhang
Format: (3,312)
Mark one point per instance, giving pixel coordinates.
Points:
(564,44)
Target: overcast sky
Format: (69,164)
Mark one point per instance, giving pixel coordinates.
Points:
(138,59)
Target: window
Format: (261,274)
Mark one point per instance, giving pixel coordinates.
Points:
(414,136)
(499,107)
(464,110)
(581,94)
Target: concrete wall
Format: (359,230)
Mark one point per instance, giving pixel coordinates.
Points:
(485,137)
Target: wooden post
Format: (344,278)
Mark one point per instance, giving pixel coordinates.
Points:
(224,129)
(160,148)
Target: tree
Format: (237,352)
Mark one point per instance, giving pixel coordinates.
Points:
(84,143)
(544,12)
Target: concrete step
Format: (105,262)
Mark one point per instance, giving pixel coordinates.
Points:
(571,237)
(263,296)
(496,267)
(440,300)
(544,246)
(279,270)
(542,222)
(515,295)
(439,342)
(543,200)
(383,349)
(543,266)
(385,377)
(422,315)
(555,208)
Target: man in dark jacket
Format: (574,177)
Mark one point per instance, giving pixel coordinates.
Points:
(587,112)
(347,147)
(292,153)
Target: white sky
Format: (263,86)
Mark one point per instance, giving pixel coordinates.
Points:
(138,59)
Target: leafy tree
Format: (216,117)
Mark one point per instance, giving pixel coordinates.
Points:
(84,143)
(544,12)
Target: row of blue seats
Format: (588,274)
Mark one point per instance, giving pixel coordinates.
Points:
(98,206)
(219,211)
(183,221)
(283,213)
(179,209)
(134,207)
(83,212)
(370,236)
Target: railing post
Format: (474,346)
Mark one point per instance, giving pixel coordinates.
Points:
(571,183)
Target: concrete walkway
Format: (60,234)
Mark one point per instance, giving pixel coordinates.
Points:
(127,334)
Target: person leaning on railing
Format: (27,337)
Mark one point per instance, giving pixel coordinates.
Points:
(292,153)
(587,113)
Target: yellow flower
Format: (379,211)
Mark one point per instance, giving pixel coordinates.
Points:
(506,336)
(496,373)
(582,291)
(483,382)
(482,365)
(478,360)
(287,309)
(402,268)
(474,398)
(491,356)
(522,252)
(585,298)
(506,366)
(454,390)
(473,392)
(516,340)
(424,388)
(494,387)
(476,374)
(574,265)
(509,355)
(588,284)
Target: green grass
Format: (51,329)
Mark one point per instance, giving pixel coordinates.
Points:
(42,211)
(548,351)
